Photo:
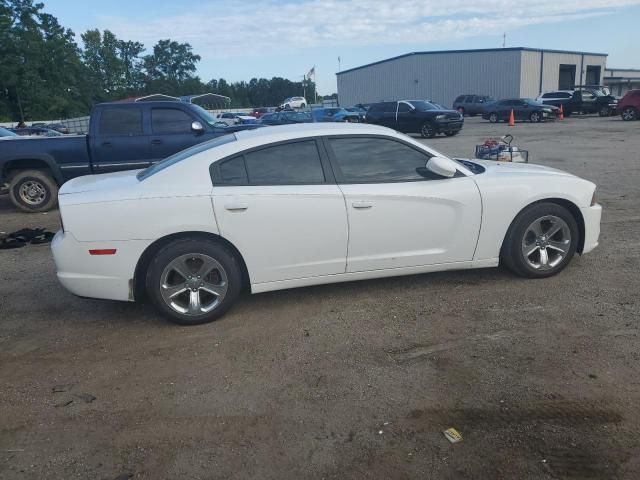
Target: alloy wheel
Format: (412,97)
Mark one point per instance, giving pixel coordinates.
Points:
(193,284)
(427,131)
(493,118)
(629,113)
(546,242)
(535,117)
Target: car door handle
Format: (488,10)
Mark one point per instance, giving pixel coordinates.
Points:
(156,142)
(236,206)
(362,205)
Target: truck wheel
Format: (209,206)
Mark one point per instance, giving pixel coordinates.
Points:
(604,111)
(33,191)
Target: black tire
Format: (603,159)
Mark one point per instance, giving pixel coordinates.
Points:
(511,254)
(224,257)
(629,114)
(535,117)
(427,130)
(493,117)
(604,111)
(452,133)
(33,191)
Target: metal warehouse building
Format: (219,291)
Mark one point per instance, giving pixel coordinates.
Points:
(443,75)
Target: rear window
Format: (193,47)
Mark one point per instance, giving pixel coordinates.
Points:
(184,154)
(125,121)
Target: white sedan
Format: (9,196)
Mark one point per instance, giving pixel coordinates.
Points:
(299,205)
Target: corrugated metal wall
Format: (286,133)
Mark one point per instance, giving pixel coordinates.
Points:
(440,77)
(530,73)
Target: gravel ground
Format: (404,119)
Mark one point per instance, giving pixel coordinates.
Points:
(344,381)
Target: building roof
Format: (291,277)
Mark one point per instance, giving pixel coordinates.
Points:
(477,50)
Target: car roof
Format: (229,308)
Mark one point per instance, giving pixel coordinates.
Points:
(276,133)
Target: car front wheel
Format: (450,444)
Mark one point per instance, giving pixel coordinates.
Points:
(535,117)
(541,241)
(427,130)
(193,281)
(629,113)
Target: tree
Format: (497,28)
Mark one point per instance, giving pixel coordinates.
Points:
(170,61)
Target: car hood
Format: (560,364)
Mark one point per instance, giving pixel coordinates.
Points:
(493,167)
(114,184)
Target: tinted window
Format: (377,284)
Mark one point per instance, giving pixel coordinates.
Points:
(459,99)
(423,106)
(470,99)
(377,160)
(291,163)
(233,171)
(121,121)
(403,108)
(170,120)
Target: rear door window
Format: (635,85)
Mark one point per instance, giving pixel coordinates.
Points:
(121,121)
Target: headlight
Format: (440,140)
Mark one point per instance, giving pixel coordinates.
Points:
(441,117)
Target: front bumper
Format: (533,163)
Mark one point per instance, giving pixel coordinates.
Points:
(96,276)
(449,126)
(591,216)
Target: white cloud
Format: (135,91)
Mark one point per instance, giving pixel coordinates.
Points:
(230,28)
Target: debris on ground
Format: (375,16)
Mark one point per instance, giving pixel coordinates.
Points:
(87,397)
(19,238)
(453,435)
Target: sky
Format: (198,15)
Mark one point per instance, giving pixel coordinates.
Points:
(239,40)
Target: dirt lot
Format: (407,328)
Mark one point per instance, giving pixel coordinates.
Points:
(344,381)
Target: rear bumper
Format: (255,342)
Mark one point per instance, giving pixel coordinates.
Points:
(96,276)
(591,216)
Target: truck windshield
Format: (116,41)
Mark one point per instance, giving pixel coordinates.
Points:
(184,154)
(210,119)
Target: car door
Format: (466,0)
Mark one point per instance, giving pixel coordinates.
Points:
(280,206)
(121,142)
(503,108)
(406,120)
(400,215)
(521,110)
(171,132)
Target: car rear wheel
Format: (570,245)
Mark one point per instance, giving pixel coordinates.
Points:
(541,241)
(629,113)
(194,281)
(535,117)
(33,191)
(427,130)
(493,118)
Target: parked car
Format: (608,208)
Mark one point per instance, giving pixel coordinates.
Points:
(36,132)
(58,127)
(582,100)
(629,106)
(122,136)
(235,118)
(260,111)
(471,105)
(523,109)
(286,117)
(191,232)
(362,112)
(6,133)
(293,102)
(415,116)
(335,114)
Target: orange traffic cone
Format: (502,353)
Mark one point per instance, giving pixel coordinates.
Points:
(561,113)
(512,119)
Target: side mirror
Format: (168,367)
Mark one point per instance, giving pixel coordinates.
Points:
(442,166)
(197,127)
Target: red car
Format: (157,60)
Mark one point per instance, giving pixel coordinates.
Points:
(260,111)
(629,106)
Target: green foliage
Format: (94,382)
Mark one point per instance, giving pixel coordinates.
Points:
(45,75)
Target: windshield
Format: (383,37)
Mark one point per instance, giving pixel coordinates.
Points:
(7,133)
(422,106)
(210,119)
(531,101)
(184,154)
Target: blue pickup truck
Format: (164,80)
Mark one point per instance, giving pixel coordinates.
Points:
(122,136)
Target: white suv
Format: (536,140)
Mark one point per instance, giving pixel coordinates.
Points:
(293,102)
